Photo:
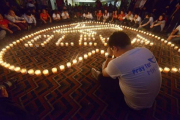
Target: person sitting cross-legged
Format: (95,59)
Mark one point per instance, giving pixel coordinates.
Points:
(175,35)
(65,15)
(30,19)
(99,15)
(8,26)
(136,21)
(44,16)
(105,16)
(136,68)
(56,16)
(146,23)
(87,16)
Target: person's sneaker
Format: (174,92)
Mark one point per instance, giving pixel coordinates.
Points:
(95,73)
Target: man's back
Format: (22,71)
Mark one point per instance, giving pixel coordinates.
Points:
(139,77)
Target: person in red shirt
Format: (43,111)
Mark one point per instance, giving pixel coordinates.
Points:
(45,16)
(99,15)
(121,17)
(4,24)
(114,17)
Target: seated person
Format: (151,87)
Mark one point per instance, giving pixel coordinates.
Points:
(87,16)
(158,25)
(175,35)
(114,17)
(30,19)
(56,16)
(146,23)
(19,21)
(65,15)
(2,34)
(105,16)
(121,17)
(4,24)
(128,18)
(136,21)
(133,67)
(99,15)
(44,16)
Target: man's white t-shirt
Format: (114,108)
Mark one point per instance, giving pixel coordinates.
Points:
(178,28)
(139,77)
(151,20)
(65,15)
(56,16)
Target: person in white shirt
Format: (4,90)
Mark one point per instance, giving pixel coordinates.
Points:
(146,23)
(65,15)
(87,16)
(105,16)
(158,25)
(136,21)
(128,18)
(136,68)
(30,19)
(175,35)
(56,16)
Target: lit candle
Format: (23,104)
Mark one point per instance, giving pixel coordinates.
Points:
(85,56)
(89,54)
(42,44)
(151,44)
(31,72)
(23,71)
(45,72)
(74,61)
(93,52)
(62,44)
(160,69)
(31,45)
(85,43)
(95,44)
(102,51)
(17,69)
(72,44)
(66,44)
(166,70)
(11,67)
(169,43)
(174,70)
(68,64)
(97,50)
(90,43)
(105,44)
(62,67)
(80,58)
(54,70)
(176,47)
(26,45)
(106,54)
(38,72)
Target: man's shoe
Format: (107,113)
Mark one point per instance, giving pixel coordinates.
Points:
(95,73)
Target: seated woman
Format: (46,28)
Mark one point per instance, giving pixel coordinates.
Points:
(30,19)
(121,17)
(158,25)
(4,24)
(114,17)
(56,16)
(44,16)
(65,15)
(175,35)
(99,15)
(87,16)
(128,18)
(135,22)
(19,21)
(146,23)
(105,16)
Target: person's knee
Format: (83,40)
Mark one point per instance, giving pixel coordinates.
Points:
(2,34)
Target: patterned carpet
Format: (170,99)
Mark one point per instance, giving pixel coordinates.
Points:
(73,93)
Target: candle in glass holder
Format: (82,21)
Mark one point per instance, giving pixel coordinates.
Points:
(45,72)
(17,69)
(85,56)
(80,44)
(42,44)
(166,70)
(68,64)
(7,66)
(31,72)
(74,61)
(62,67)
(38,72)
(54,70)
(102,51)
(80,58)
(23,71)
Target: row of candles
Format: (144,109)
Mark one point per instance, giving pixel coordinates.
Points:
(60,39)
(142,40)
(167,70)
(103,40)
(47,41)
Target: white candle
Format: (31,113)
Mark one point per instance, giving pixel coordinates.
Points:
(38,72)
(176,47)
(17,69)
(102,51)
(68,64)
(85,43)
(93,52)
(74,61)
(72,44)
(169,43)
(23,71)
(45,72)
(174,70)
(95,44)
(151,44)
(166,70)
(97,50)
(62,67)
(11,67)
(26,45)
(90,43)
(106,54)
(80,58)
(105,44)
(89,54)
(31,72)
(54,70)
(85,56)
(62,44)
(160,69)
(31,45)
(67,44)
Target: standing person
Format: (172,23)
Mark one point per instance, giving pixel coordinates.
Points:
(19,21)
(136,68)
(56,16)
(99,15)
(44,16)
(158,25)
(105,16)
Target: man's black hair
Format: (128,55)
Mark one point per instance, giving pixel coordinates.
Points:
(119,39)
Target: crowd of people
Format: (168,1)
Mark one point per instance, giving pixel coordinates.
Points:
(160,18)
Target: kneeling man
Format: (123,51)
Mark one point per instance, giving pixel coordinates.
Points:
(136,68)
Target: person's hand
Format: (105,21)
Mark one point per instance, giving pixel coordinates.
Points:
(151,26)
(45,22)
(3,92)
(18,28)
(10,31)
(109,51)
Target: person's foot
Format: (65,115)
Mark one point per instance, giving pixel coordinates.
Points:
(95,73)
